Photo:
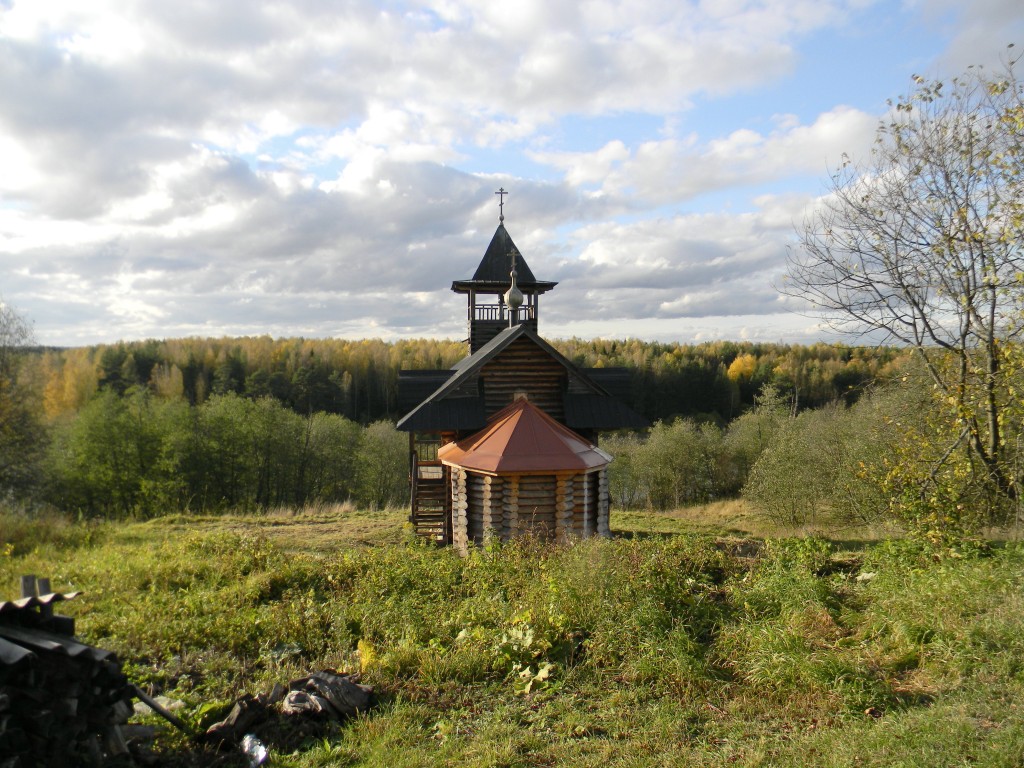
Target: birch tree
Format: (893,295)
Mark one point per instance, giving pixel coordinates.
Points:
(21,432)
(921,245)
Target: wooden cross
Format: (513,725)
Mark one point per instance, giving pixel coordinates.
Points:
(501,203)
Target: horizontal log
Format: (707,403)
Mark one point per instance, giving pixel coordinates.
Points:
(530,522)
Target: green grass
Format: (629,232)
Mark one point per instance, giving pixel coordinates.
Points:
(739,518)
(667,645)
(318,530)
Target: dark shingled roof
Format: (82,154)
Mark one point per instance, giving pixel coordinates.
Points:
(598,412)
(446,408)
(416,386)
(455,414)
(493,272)
(616,381)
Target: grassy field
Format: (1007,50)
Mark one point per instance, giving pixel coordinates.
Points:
(695,638)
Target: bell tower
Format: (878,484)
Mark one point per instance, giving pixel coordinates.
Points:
(503,291)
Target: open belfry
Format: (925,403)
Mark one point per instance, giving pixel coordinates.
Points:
(505,442)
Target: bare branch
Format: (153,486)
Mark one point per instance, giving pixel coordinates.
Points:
(924,245)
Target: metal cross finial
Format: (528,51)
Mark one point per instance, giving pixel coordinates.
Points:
(501,203)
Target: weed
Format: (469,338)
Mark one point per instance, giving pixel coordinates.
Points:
(664,650)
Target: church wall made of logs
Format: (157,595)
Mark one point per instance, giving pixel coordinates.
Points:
(505,443)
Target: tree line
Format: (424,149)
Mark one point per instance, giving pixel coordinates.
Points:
(139,428)
(111,432)
(137,454)
(359,379)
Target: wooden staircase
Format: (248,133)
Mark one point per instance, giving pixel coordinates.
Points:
(430,516)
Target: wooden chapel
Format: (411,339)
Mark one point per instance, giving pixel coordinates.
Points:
(505,442)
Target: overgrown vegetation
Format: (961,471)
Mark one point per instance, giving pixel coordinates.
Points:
(137,454)
(645,651)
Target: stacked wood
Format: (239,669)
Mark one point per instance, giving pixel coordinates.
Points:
(587,509)
(563,508)
(493,512)
(525,367)
(558,507)
(460,509)
(510,505)
(485,508)
(603,504)
(579,498)
(537,505)
(61,701)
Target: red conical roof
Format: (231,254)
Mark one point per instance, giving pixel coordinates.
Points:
(522,439)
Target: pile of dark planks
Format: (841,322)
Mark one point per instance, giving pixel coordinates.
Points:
(61,701)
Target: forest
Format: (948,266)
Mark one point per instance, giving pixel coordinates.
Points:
(141,428)
(359,379)
(807,434)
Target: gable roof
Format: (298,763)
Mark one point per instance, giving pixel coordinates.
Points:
(415,386)
(465,407)
(522,439)
(456,406)
(584,411)
(497,345)
(492,274)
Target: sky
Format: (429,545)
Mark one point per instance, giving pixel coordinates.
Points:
(327,168)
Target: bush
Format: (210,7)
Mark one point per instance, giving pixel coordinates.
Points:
(823,465)
(679,463)
(140,455)
(383,466)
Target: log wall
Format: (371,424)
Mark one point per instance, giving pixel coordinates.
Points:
(460,509)
(538,505)
(557,507)
(485,515)
(587,509)
(524,367)
(603,503)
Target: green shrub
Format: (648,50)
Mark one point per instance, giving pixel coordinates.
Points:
(24,530)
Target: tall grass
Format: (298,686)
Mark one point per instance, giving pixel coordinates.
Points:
(27,529)
(659,650)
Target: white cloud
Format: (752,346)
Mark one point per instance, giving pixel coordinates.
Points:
(197,167)
(672,170)
(681,268)
(981,35)
(586,168)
